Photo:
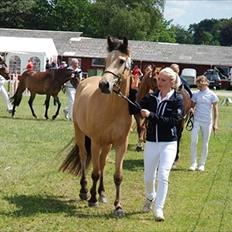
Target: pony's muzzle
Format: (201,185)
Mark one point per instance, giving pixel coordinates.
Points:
(104,87)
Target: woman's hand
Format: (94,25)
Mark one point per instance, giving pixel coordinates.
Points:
(145,113)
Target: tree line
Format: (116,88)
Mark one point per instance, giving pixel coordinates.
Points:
(135,19)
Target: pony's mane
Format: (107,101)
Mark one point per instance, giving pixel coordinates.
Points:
(116,44)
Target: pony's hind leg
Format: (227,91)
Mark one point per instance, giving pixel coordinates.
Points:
(57,100)
(101,188)
(30,102)
(47,101)
(95,149)
(83,143)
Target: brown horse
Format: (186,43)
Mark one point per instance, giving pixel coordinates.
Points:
(102,116)
(48,83)
(149,82)
(4,70)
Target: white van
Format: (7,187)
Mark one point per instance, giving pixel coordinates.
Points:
(190,75)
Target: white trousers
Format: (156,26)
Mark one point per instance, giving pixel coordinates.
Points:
(70,92)
(158,160)
(206,131)
(5,97)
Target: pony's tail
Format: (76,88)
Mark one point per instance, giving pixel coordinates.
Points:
(72,163)
(16,99)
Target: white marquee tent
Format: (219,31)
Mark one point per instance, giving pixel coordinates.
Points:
(25,48)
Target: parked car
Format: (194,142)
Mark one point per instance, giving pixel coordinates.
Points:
(189,75)
(216,79)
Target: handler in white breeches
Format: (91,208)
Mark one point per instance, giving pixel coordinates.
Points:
(4,94)
(163,110)
(71,90)
(203,101)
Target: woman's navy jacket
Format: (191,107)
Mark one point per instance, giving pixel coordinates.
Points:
(164,116)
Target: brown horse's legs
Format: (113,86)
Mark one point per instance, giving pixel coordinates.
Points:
(179,128)
(57,100)
(47,102)
(120,151)
(101,189)
(95,173)
(30,102)
(141,130)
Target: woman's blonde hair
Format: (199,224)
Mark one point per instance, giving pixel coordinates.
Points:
(173,76)
(202,80)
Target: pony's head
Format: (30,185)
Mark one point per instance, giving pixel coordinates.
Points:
(118,64)
(4,71)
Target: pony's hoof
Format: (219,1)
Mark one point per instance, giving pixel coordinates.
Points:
(103,199)
(139,148)
(92,204)
(119,213)
(83,196)
(53,117)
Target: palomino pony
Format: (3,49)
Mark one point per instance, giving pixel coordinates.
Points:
(48,83)
(101,119)
(149,82)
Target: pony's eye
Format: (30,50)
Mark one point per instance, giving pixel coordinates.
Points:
(122,61)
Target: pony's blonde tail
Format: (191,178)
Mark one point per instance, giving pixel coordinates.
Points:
(72,163)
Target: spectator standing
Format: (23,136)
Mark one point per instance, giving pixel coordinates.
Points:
(163,109)
(29,66)
(203,101)
(176,69)
(4,94)
(71,90)
(48,65)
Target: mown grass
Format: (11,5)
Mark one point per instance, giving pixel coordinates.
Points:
(34,196)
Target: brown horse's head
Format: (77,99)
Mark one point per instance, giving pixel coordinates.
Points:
(4,71)
(118,64)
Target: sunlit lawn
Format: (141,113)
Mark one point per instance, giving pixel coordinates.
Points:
(34,196)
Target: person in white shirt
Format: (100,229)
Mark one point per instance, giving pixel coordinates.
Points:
(4,94)
(71,90)
(203,101)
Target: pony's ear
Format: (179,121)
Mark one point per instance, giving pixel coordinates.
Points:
(111,44)
(125,42)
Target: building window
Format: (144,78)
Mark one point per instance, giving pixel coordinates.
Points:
(15,65)
(100,62)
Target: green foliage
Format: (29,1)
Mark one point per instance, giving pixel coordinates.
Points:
(226,34)
(135,19)
(34,196)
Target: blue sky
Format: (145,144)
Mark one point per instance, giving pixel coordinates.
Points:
(186,12)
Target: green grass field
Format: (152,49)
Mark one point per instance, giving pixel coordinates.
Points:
(34,196)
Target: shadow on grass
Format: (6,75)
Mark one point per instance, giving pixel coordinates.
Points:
(37,204)
(133,165)
(28,206)
(34,119)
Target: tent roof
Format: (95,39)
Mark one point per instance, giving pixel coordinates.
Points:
(28,45)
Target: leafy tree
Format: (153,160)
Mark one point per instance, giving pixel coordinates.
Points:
(16,13)
(226,34)
(182,36)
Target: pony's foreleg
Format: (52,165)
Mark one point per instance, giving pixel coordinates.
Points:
(120,151)
(47,102)
(95,149)
(101,188)
(141,131)
(57,100)
(30,102)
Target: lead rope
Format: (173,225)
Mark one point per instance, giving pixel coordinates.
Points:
(189,124)
(119,93)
